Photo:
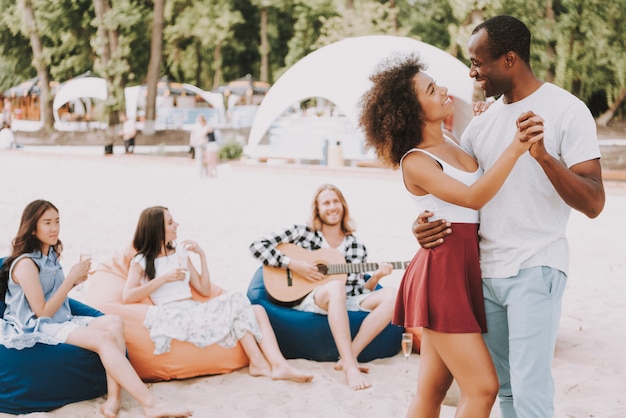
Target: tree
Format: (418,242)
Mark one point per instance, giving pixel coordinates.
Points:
(154,66)
(369,18)
(16,56)
(195,30)
(29,29)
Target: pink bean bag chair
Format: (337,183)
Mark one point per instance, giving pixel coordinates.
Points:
(103,291)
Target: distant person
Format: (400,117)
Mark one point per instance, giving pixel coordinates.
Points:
(7,139)
(202,140)
(128,134)
(7,111)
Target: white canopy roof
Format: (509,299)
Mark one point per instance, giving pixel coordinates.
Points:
(78,88)
(340,72)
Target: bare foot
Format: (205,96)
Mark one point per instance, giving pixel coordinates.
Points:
(286,372)
(356,380)
(110,408)
(362,368)
(161,409)
(260,368)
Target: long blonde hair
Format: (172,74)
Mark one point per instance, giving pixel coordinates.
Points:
(315,223)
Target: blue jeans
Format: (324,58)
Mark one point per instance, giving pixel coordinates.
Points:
(523,314)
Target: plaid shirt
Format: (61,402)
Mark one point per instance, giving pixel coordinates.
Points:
(354,251)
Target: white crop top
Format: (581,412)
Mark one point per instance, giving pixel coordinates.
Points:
(168,292)
(441,208)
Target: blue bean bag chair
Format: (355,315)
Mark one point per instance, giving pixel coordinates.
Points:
(307,335)
(46,377)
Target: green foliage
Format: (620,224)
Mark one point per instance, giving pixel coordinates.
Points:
(309,17)
(370,18)
(231,150)
(577,44)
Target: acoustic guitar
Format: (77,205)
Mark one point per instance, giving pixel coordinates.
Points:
(286,286)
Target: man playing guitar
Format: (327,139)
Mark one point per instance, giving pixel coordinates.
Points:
(331,227)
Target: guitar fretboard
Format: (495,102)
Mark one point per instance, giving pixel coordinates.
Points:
(349,268)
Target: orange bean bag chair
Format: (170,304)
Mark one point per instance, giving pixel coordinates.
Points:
(103,291)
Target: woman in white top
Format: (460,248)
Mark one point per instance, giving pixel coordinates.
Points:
(441,291)
(163,271)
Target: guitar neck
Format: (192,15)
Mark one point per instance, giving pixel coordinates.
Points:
(350,268)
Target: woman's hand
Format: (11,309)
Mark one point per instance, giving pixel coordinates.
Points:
(529,131)
(192,246)
(79,272)
(480,106)
(175,275)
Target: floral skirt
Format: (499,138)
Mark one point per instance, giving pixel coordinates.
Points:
(223,320)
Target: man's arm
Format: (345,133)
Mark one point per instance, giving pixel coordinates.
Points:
(264,249)
(430,234)
(580,186)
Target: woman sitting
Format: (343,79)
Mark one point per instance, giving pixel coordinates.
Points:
(162,271)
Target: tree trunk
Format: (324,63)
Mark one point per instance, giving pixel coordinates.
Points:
(605,118)
(217,64)
(105,48)
(39,62)
(154,66)
(265,49)
(550,52)
(199,66)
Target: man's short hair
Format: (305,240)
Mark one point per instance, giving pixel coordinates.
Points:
(506,33)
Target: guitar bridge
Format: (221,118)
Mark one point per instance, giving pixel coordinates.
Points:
(289,278)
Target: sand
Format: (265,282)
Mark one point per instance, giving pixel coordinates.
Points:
(100,199)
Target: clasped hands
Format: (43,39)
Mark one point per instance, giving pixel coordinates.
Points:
(530,130)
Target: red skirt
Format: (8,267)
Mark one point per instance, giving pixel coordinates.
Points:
(442,287)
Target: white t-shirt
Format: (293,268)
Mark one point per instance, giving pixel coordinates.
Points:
(524,224)
(171,291)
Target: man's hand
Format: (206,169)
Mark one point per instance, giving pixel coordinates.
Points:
(430,234)
(306,270)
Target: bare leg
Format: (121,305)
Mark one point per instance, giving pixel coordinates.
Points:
(433,381)
(467,358)
(380,304)
(332,297)
(258,365)
(103,336)
(212,158)
(281,369)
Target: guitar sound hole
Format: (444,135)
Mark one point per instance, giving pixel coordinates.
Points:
(322,268)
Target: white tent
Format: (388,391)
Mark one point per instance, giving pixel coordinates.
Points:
(214,99)
(79,88)
(135,96)
(340,72)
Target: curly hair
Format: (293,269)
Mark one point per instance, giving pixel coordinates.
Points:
(26,240)
(391,115)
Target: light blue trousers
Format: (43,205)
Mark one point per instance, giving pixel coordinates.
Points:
(523,314)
